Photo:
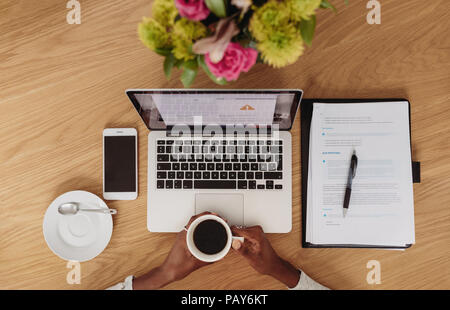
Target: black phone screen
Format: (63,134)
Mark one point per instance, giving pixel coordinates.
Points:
(120,163)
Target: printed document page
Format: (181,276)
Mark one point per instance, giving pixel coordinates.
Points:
(381,210)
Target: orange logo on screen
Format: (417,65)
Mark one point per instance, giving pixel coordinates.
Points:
(247,108)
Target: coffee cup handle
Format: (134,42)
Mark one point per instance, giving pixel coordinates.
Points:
(241,239)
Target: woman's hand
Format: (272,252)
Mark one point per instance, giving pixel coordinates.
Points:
(178,264)
(262,257)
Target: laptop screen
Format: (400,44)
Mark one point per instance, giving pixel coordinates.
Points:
(253,108)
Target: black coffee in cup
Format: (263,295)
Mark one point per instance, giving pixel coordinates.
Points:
(210,237)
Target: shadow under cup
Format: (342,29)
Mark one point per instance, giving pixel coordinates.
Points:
(209,238)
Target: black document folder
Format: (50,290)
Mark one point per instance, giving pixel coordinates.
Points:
(306,109)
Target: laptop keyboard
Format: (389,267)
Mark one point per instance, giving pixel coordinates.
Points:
(219,164)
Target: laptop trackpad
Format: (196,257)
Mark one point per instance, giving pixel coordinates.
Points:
(228,206)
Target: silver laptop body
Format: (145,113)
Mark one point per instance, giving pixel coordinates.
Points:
(224,151)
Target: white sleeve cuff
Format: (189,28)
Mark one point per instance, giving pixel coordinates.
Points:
(125,285)
(306,283)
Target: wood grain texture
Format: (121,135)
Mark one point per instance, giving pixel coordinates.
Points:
(61,84)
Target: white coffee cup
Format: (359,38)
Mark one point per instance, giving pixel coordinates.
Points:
(209,257)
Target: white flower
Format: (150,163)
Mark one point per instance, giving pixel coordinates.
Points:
(216,44)
(244,5)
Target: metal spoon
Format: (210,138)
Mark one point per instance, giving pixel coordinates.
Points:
(72,208)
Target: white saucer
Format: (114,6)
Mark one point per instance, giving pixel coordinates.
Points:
(78,237)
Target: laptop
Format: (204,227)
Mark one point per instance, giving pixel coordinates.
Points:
(223,151)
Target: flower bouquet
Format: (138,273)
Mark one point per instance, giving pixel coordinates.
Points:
(227,37)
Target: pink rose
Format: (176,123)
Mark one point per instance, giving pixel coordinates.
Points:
(235,60)
(192,9)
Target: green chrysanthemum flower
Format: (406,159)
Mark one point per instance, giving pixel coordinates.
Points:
(182,48)
(164,12)
(189,29)
(267,18)
(282,48)
(185,32)
(302,9)
(153,34)
(279,40)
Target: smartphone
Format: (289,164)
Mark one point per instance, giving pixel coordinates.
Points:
(120,164)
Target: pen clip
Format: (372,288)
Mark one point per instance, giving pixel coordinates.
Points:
(354,164)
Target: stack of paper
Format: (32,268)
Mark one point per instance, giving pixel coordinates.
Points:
(381,210)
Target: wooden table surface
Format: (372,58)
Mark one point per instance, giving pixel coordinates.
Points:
(61,84)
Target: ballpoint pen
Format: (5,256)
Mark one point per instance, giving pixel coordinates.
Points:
(351,175)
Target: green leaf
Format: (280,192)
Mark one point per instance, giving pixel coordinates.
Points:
(189,72)
(307,27)
(201,62)
(163,51)
(327,5)
(191,64)
(178,63)
(168,65)
(259,60)
(218,7)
